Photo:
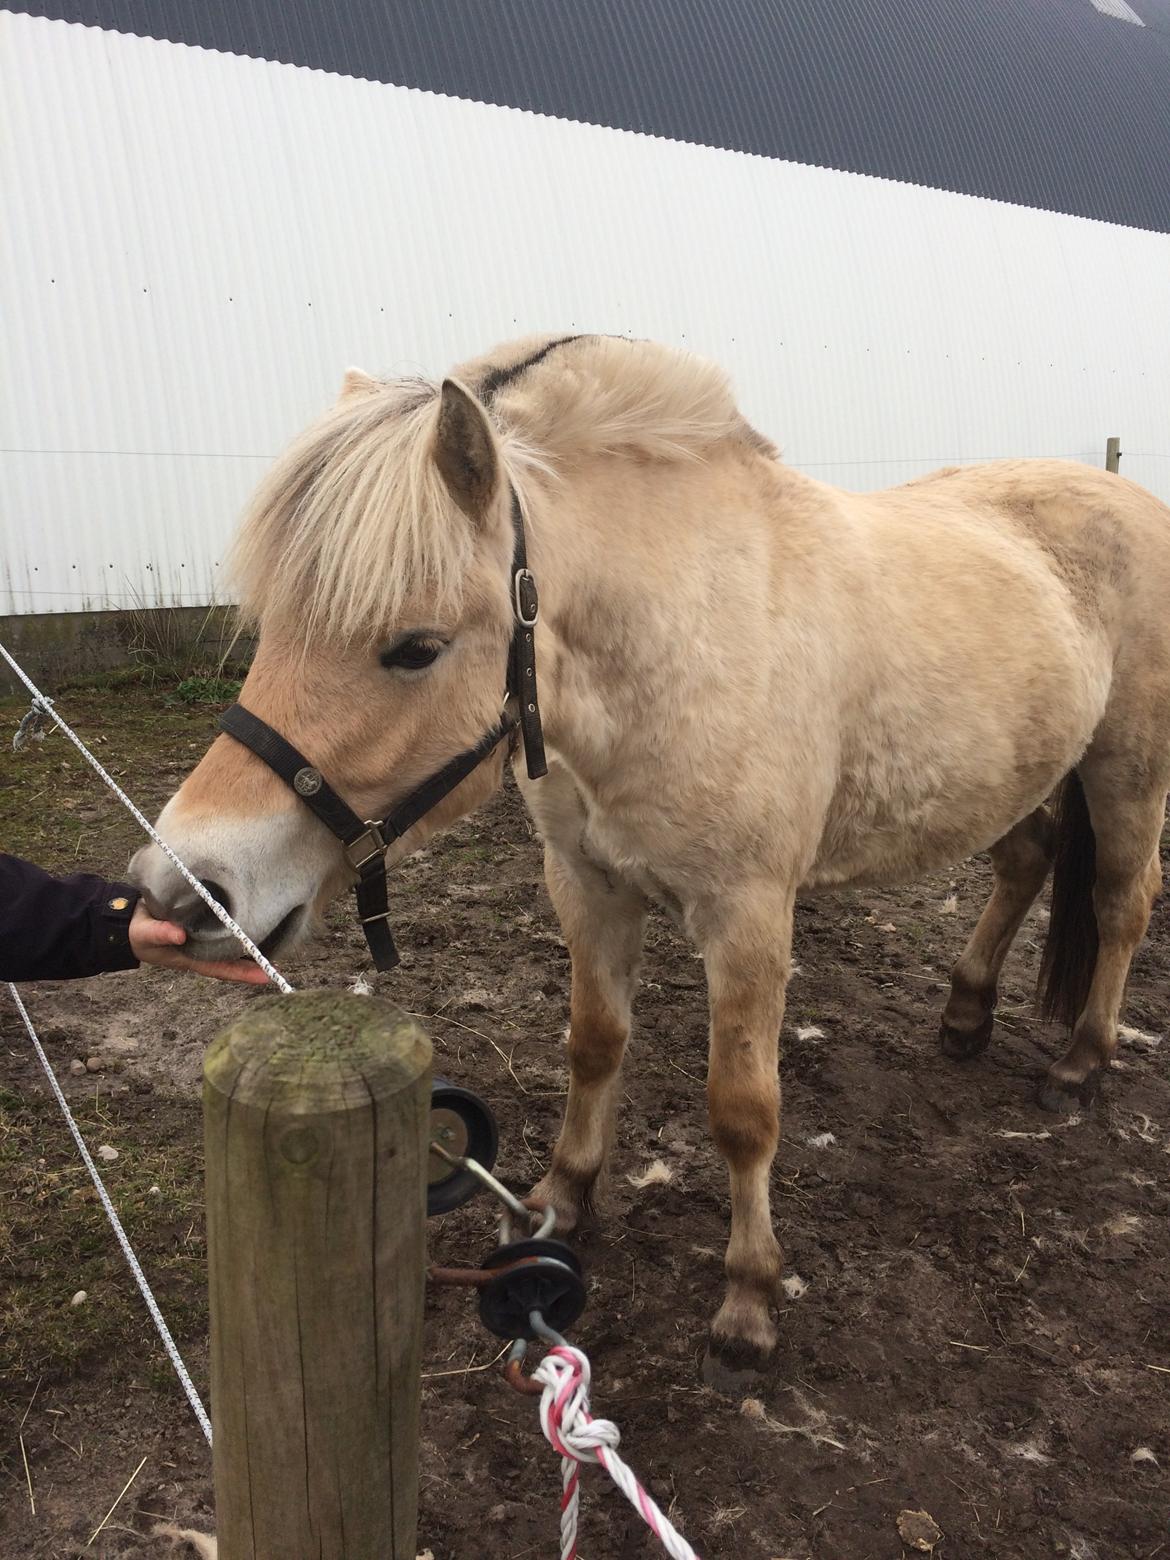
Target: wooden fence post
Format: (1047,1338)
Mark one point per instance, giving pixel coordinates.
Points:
(1112,454)
(316,1116)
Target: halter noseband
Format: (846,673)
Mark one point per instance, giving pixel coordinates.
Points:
(366,841)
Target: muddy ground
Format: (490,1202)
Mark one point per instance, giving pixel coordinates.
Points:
(984,1327)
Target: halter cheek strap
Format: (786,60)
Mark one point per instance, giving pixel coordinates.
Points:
(365,842)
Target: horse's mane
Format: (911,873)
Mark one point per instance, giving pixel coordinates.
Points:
(354,517)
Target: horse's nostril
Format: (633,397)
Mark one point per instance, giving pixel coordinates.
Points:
(218,892)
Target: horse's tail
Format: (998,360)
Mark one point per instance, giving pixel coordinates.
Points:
(1070,949)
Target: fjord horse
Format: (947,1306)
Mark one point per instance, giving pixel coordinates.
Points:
(752,684)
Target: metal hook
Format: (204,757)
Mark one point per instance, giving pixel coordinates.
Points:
(513,1205)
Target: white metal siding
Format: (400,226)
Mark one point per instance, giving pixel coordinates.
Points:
(194,246)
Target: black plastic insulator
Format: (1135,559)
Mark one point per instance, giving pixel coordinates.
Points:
(549,1282)
(463,1125)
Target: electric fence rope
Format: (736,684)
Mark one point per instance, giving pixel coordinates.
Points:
(40,701)
(127,1250)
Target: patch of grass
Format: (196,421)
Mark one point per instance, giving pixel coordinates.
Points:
(55,811)
(112,677)
(55,1238)
(173,679)
(468,854)
(202,689)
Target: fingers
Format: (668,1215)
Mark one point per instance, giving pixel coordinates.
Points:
(156,942)
(241,971)
(147,934)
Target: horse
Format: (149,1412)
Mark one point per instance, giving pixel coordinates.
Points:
(752,685)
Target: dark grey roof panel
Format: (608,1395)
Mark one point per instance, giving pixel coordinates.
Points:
(1046,103)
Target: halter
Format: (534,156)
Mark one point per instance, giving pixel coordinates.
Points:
(366,841)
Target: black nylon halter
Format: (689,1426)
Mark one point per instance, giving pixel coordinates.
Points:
(365,841)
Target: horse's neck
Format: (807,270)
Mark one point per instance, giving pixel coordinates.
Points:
(622,569)
(672,592)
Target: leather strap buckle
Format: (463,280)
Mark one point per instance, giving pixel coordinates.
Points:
(525,602)
(370,841)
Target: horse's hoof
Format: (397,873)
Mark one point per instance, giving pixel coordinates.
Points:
(1064,1096)
(571,1205)
(740,1347)
(731,1375)
(963,1045)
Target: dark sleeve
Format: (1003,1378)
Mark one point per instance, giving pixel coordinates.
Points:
(62,928)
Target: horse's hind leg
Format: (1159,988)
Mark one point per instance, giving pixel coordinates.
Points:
(603,923)
(1022,860)
(1126,828)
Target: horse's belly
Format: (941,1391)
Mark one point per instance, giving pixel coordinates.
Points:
(885,857)
(903,810)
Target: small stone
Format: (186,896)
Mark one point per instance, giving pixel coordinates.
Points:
(107,1153)
(477,997)
(79,1298)
(919,1530)
(154,1191)
(77,1067)
(95,1064)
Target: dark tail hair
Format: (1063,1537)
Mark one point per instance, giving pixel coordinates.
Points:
(1070,949)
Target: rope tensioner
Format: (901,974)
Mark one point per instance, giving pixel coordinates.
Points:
(531,1289)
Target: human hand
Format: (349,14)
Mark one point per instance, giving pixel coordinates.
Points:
(158,942)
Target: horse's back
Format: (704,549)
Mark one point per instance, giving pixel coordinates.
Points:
(1107,541)
(1104,541)
(1064,506)
(1005,617)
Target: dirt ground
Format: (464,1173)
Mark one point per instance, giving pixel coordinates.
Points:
(983,1324)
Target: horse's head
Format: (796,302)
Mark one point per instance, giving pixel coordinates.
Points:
(375,561)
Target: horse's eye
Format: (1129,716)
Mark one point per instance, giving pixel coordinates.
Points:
(412,654)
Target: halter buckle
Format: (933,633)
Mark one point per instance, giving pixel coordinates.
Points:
(370,840)
(525,602)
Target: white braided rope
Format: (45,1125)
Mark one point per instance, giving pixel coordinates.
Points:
(571,1430)
(212,903)
(42,702)
(127,1250)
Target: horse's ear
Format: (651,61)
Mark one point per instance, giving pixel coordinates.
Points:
(465,450)
(356,385)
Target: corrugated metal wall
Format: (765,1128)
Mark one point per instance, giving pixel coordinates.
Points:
(1052,105)
(195,245)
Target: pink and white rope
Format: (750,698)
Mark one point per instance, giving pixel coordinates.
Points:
(572,1431)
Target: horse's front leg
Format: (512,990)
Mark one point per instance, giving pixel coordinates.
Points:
(747,952)
(603,922)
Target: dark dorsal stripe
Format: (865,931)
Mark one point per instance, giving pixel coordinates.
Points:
(499,377)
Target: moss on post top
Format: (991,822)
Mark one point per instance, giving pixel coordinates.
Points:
(321,1050)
